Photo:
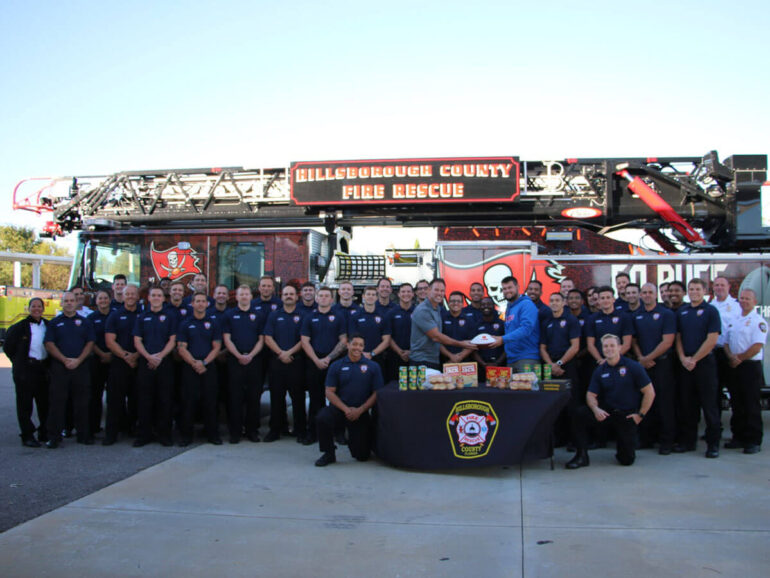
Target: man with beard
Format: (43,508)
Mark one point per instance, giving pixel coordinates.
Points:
(522,333)
(676,292)
(476,294)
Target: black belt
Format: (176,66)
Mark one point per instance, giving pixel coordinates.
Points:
(33,361)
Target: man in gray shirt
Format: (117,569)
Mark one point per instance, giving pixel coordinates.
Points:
(426,329)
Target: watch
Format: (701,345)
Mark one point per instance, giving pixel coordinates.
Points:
(560,363)
(640,414)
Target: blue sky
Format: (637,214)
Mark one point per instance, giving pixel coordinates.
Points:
(98,87)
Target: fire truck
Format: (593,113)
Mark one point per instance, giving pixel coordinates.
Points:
(546,220)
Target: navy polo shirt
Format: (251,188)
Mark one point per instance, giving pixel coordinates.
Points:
(619,386)
(651,326)
(155,329)
(473,312)
(695,323)
(556,334)
(599,324)
(69,334)
(266,307)
(244,327)
(199,335)
(496,328)
(324,330)
(400,321)
(346,311)
(371,326)
(354,381)
(621,305)
(121,323)
(216,314)
(285,328)
(99,321)
(460,328)
(306,309)
(385,309)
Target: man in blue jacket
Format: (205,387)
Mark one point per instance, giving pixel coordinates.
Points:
(522,332)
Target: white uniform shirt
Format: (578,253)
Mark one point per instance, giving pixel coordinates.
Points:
(728,309)
(745,331)
(36,347)
(84,311)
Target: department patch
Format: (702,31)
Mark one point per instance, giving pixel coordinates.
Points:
(273,306)
(461,322)
(763,327)
(162,318)
(472,426)
(331,317)
(377,319)
(622,371)
(615,319)
(582,322)
(253,316)
(364,368)
(496,326)
(656,316)
(563,323)
(207,325)
(78,322)
(296,319)
(700,312)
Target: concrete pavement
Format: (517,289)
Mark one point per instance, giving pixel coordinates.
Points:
(265,510)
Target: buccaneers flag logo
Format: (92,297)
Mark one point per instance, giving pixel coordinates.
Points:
(177,262)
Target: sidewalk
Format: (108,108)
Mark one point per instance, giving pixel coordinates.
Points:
(265,510)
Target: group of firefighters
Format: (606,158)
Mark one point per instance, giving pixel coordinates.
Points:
(646,368)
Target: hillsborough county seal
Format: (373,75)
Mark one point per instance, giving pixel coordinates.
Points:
(472,426)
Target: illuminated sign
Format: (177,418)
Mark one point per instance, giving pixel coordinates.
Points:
(405,181)
(581,213)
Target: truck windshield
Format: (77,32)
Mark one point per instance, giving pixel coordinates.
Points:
(98,261)
(240,264)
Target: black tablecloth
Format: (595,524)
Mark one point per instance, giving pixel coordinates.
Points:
(465,428)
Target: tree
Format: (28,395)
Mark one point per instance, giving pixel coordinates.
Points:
(23,240)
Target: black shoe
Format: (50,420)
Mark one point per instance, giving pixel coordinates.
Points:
(140,443)
(215,441)
(712,451)
(733,444)
(52,444)
(752,449)
(681,448)
(30,443)
(253,437)
(326,459)
(184,442)
(66,433)
(579,461)
(272,436)
(664,450)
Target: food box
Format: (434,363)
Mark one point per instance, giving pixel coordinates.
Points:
(463,374)
(498,376)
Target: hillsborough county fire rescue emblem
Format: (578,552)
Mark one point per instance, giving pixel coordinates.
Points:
(177,262)
(472,426)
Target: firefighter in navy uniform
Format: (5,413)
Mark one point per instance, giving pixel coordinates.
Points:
(746,338)
(492,325)
(372,325)
(199,339)
(154,339)
(698,327)
(626,394)
(459,326)
(351,388)
(121,383)
(242,331)
(324,338)
(608,320)
(100,360)
(655,330)
(69,339)
(283,338)
(560,342)
(400,321)
(26,351)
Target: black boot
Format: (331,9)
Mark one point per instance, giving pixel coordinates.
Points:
(579,461)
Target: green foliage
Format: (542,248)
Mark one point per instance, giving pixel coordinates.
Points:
(23,240)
